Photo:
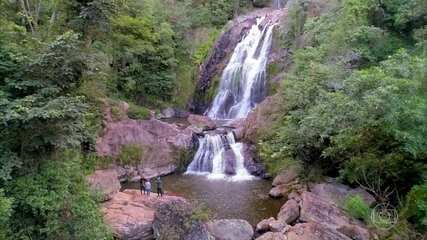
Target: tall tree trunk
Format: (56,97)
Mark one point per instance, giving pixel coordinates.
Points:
(27,15)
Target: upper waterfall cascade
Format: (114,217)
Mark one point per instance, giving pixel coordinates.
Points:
(242,83)
(242,86)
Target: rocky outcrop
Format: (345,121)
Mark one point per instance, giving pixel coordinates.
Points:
(286,176)
(231,229)
(314,231)
(315,214)
(289,212)
(337,193)
(318,210)
(203,122)
(173,221)
(230,161)
(260,120)
(160,142)
(104,182)
(253,163)
(130,215)
(171,112)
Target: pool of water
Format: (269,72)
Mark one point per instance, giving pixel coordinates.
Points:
(226,199)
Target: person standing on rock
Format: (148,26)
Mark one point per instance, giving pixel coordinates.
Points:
(141,185)
(147,186)
(159,187)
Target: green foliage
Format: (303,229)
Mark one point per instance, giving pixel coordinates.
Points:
(357,208)
(5,214)
(131,154)
(55,203)
(354,102)
(145,58)
(138,112)
(202,52)
(201,213)
(415,208)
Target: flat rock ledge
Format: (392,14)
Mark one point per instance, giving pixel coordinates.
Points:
(130,215)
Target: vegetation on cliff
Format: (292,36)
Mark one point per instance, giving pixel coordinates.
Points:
(355,102)
(59,61)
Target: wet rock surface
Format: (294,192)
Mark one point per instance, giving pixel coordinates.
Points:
(230,229)
(203,122)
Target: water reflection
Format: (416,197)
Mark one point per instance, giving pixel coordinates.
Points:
(226,199)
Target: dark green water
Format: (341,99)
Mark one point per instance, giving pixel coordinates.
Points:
(243,200)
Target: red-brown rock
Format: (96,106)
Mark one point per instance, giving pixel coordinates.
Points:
(130,215)
(313,231)
(105,182)
(201,121)
(289,212)
(158,139)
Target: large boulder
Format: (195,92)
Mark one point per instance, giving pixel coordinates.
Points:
(173,221)
(231,229)
(264,225)
(130,215)
(315,209)
(313,231)
(105,182)
(338,193)
(252,162)
(289,212)
(230,161)
(260,120)
(284,190)
(160,142)
(286,176)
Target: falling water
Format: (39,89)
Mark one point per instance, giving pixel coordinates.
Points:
(243,80)
(278,4)
(242,87)
(209,159)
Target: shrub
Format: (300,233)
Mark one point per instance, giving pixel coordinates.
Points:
(138,113)
(415,209)
(201,213)
(357,208)
(130,154)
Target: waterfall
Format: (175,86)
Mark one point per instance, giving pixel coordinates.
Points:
(242,83)
(211,158)
(242,86)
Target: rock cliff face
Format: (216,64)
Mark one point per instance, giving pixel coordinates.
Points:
(106,182)
(161,143)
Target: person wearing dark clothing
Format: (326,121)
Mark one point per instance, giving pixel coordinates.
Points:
(141,185)
(159,187)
